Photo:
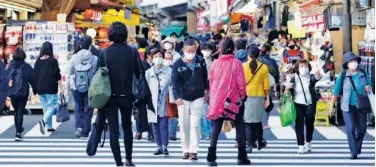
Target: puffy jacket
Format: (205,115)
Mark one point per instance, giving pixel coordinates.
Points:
(221,72)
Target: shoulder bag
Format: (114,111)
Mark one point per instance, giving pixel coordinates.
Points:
(362,102)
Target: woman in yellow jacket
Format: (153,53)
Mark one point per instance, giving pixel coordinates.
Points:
(257,78)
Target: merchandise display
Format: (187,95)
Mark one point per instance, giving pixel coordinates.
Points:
(60,35)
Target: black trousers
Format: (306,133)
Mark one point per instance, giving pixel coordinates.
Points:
(19,104)
(110,111)
(304,117)
(254,132)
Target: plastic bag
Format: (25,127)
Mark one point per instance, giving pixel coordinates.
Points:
(371,98)
(288,111)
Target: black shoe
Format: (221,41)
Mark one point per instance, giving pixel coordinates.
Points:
(212,163)
(354,157)
(51,130)
(260,145)
(193,156)
(22,129)
(212,156)
(42,127)
(244,162)
(158,152)
(18,137)
(165,152)
(243,157)
(186,156)
(138,136)
(129,163)
(254,145)
(173,138)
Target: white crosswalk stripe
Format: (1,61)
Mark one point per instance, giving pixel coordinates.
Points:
(71,152)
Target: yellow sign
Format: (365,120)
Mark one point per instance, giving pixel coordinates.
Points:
(299,33)
(291,26)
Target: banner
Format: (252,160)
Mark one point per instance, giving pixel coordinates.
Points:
(314,23)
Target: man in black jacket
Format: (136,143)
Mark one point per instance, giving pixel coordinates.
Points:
(190,86)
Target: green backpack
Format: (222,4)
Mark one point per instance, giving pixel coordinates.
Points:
(100,87)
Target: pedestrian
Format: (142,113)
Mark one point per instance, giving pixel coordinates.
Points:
(169,45)
(48,82)
(3,86)
(257,77)
(148,61)
(142,45)
(172,121)
(292,54)
(302,88)
(178,44)
(20,75)
(227,91)
(82,69)
(206,125)
(190,86)
(121,70)
(349,85)
(241,52)
(159,79)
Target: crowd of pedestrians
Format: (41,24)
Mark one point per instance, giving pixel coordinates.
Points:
(192,84)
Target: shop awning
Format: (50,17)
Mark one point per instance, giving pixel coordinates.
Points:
(250,7)
(170,29)
(169,3)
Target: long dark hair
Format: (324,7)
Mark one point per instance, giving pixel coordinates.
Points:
(227,46)
(19,55)
(254,53)
(47,49)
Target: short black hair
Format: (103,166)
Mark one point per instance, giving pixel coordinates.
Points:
(163,37)
(156,51)
(173,34)
(118,32)
(240,44)
(206,46)
(189,42)
(185,34)
(253,51)
(217,37)
(227,46)
(266,47)
(19,55)
(85,42)
(142,43)
(47,49)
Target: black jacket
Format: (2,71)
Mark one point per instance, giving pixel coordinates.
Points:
(189,85)
(122,62)
(47,74)
(29,73)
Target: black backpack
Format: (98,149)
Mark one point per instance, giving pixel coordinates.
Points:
(18,79)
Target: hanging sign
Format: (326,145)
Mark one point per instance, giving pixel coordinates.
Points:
(314,23)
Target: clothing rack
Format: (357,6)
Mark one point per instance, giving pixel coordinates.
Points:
(368,65)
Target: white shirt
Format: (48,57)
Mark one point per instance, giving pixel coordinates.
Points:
(299,95)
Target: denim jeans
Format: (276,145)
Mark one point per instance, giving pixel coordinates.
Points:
(82,112)
(49,103)
(172,126)
(356,128)
(206,125)
(161,131)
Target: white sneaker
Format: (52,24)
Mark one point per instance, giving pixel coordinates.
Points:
(308,147)
(78,132)
(300,149)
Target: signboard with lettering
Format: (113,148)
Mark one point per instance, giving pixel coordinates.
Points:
(314,23)
(129,3)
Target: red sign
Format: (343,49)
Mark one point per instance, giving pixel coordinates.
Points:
(314,23)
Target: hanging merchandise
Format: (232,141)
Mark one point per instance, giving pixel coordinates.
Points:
(61,35)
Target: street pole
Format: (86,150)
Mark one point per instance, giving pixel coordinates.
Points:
(347,41)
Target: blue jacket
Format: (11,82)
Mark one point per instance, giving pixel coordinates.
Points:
(187,84)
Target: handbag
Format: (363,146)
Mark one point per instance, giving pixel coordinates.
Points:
(139,87)
(362,102)
(172,109)
(95,137)
(62,114)
(226,126)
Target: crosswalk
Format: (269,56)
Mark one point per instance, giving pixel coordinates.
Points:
(276,132)
(71,152)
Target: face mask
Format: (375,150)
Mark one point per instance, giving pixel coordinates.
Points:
(158,60)
(353,65)
(167,46)
(189,56)
(206,53)
(167,63)
(292,46)
(303,71)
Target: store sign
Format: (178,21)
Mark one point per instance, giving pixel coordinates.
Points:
(202,21)
(61,18)
(314,23)
(336,21)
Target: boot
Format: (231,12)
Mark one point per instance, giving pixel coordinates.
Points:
(243,157)
(212,156)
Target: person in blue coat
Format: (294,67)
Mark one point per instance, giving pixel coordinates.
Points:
(355,119)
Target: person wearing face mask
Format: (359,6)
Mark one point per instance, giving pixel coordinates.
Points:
(190,89)
(206,51)
(292,53)
(169,46)
(350,84)
(302,88)
(158,78)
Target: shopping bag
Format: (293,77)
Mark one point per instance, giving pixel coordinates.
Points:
(99,127)
(62,114)
(226,127)
(371,98)
(288,111)
(172,109)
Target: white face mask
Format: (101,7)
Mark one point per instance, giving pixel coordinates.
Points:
(167,46)
(303,71)
(206,53)
(167,63)
(158,60)
(353,65)
(189,56)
